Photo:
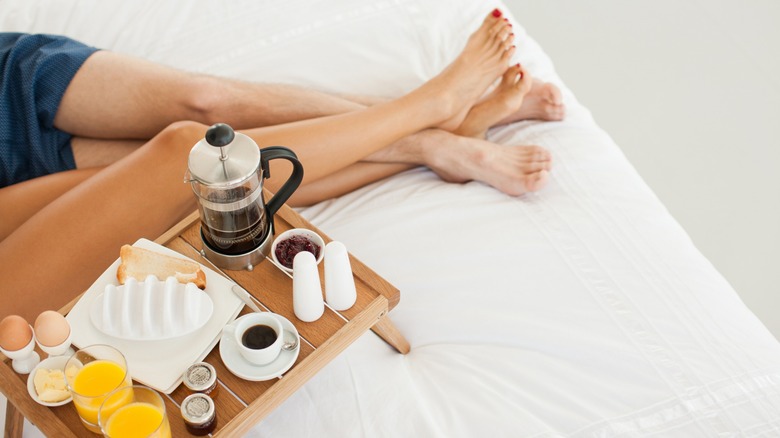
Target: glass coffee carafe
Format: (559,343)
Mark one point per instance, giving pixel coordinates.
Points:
(226,170)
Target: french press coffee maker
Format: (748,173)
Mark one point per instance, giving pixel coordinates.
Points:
(226,170)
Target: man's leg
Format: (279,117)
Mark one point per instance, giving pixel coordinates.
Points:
(116,96)
(514,170)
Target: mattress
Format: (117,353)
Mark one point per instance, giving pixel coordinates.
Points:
(581,310)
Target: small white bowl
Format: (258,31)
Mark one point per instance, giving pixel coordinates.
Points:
(52,363)
(309,234)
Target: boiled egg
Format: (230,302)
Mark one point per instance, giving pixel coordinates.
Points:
(51,328)
(15,333)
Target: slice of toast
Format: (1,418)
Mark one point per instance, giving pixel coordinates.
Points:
(139,263)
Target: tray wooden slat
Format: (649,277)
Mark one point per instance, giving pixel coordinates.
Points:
(273,288)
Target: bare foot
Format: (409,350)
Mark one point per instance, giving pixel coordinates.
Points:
(543,102)
(455,90)
(514,170)
(504,100)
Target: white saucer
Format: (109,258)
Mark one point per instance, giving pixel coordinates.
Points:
(52,363)
(236,364)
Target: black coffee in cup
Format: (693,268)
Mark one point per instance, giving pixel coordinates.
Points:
(258,337)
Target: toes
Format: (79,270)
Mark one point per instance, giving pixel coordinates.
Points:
(553,94)
(537,181)
(505,34)
(537,166)
(491,26)
(498,28)
(509,78)
(554,112)
(491,18)
(507,55)
(525,80)
(538,153)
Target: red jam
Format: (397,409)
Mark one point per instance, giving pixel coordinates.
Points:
(288,248)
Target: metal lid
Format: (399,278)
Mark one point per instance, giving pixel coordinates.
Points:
(199,376)
(197,409)
(224,158)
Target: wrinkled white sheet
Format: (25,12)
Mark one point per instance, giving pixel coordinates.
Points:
(580,310)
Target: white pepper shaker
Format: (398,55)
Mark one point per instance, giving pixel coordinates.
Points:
(340,292)
(307,290)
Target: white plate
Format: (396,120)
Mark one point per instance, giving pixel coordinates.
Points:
(236,364)
(52,363)
(151,310)
(158,364)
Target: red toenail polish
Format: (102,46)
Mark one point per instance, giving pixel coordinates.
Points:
(496,13)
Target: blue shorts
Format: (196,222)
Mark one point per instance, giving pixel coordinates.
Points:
(35,70)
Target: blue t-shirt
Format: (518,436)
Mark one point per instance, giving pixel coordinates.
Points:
(35,70)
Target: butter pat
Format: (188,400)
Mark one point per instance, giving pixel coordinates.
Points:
(50,385)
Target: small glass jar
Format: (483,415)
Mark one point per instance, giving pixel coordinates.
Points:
(199,414)
(201,378)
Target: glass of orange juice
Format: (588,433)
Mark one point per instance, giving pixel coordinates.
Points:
(92,373)
(134,412)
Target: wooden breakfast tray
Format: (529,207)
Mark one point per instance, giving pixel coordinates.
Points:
(240,404)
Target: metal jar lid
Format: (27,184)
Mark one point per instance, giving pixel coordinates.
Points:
(197,409)
(224,158)
(199,376)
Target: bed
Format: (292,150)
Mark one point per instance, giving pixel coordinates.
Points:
(581,310)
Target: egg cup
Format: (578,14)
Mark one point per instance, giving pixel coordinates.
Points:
(25,359)
(63,349)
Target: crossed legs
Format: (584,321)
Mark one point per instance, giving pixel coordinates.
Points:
(65,244)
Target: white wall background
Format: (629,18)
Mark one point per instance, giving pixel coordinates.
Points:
(690,90)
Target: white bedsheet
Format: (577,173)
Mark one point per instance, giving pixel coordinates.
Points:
(580,310)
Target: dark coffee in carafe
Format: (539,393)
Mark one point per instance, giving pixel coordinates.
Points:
(233,223)
(226,170)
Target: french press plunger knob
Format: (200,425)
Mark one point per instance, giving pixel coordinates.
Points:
(220,135)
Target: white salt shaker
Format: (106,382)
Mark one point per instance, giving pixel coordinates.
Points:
(340,290)
(307,290)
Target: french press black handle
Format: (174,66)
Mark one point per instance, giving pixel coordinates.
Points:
(288,188)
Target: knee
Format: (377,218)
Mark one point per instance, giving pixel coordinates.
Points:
(203,99)
(178,138)
(184,131)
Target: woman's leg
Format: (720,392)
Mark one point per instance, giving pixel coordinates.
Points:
(29,197)
(91,152)
(58,252)
(327,145)
(25,199)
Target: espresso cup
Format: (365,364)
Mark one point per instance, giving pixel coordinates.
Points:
(258,336)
